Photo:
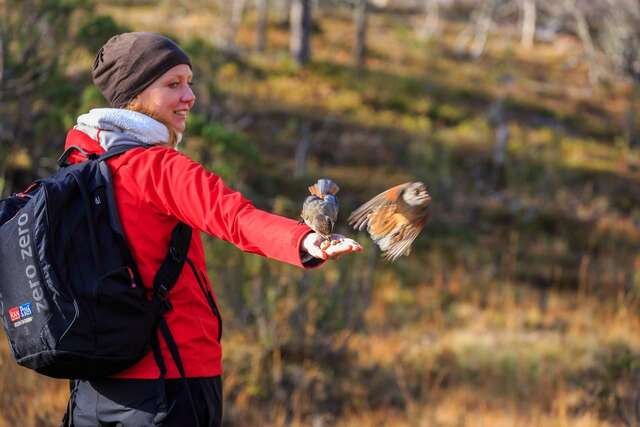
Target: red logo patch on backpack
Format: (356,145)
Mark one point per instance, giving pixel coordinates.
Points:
(14,313)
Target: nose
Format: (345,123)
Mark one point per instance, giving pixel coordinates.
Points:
(188,96)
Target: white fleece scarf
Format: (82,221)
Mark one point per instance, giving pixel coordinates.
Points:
(116,126)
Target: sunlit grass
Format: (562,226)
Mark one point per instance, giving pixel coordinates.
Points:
(511,295)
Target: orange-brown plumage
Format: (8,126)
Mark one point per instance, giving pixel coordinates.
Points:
(323,187)
(394,218)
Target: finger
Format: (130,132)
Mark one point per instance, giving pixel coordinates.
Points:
(316,252)
(337,255)
(340,238)
(353,243)
(340,249)
(347,245)
(311,244)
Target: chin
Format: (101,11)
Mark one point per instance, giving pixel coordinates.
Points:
(179,127)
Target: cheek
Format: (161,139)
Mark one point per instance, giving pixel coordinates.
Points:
(164,106)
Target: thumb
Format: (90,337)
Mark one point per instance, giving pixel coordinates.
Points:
(311,244)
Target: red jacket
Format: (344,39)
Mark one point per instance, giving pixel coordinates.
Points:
(154,189)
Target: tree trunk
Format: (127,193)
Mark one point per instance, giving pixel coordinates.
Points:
(528,23)
(232,11)
(360,22)
(497,118)
(1,58)
(477,31)
(284,11)
(302,151)
(300,41)
(483,26)
(3,54)
(582,28)
(431,23)
(262,11)
(631,131)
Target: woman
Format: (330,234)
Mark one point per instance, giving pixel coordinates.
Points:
(146,78)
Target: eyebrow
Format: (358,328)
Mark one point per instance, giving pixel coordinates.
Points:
(180,76)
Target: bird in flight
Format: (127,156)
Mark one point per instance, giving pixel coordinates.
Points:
(394,218)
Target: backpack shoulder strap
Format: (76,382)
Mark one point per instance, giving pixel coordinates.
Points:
(167,275)
(64,158)
(164,281)
(119,150)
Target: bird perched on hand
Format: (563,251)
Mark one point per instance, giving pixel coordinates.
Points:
(320,209)
(394,218)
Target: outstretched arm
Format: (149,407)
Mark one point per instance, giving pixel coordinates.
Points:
(181,187)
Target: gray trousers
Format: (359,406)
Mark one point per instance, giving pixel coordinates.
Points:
(138,403)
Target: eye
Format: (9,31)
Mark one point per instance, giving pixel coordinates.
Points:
(190,83)
(173,85)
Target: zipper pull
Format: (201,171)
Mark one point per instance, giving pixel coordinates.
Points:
(132,277)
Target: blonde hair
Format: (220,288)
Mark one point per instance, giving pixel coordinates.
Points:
(134,105)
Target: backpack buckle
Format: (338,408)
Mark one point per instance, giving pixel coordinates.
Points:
(163,295)
(175,255)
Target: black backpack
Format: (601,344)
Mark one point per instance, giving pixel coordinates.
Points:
(71,299)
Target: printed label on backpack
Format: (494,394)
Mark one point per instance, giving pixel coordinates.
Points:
(14,313)
(21,314)
(27,253)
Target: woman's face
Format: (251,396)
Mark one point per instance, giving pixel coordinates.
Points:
(170,97)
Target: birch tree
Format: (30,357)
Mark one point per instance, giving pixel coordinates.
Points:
(474,36)
(283,11)
(360,23)
(431,20)
(300,37)
(528,23)
(620,41)
(262,24)
(232,12)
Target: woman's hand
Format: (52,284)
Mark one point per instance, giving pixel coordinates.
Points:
(319,247)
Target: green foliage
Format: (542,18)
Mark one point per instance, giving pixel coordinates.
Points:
(228,153)
(91,98)
(230,143)
(197,47)
(37,95)
(447,114)
(96,31)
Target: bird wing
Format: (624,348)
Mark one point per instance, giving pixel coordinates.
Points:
(359,218)
(306,208)
(386,222)
(402,244)
(332,208)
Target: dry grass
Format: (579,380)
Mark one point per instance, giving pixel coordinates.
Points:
(515,306)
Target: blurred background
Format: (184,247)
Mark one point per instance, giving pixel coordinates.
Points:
(520,303)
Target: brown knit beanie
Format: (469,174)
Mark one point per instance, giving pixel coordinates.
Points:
(129,62)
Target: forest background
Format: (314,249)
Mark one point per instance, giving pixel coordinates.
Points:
(520,303)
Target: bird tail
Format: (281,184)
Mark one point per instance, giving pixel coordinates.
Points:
(324,187)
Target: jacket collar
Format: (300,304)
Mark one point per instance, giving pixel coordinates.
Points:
(111,127)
